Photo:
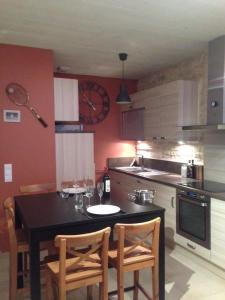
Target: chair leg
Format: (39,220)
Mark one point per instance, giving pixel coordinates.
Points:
(49,288)
(155,283)
(13,277)
(103,291)
(136,282)
(89,292)
(120,285)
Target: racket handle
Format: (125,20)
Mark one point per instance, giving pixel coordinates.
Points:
(43,123)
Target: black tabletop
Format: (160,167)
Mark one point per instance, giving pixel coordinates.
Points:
(50,210)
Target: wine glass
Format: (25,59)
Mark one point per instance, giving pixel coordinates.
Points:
(100,187)
(89,193)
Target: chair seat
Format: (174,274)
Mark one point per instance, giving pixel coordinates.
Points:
(82,270)
(139,254)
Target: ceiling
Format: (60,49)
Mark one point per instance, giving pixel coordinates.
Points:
(87,35)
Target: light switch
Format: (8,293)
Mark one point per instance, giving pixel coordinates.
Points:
(8,172)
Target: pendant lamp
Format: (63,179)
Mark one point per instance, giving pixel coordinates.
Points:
(123,96)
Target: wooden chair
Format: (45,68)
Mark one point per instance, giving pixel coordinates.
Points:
(133,253)
(88,266)
(67,184)
(17,244)
(37,188)
(80,183)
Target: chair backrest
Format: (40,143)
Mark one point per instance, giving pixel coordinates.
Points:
(37,188)
(80,183)
(10,219)
(67,184)
(144,234)
(90,247)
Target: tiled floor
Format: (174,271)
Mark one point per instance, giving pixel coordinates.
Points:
(187,278)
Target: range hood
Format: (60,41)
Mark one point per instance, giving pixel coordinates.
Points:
(216,87)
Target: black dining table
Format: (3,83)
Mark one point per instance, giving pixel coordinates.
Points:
(43,216)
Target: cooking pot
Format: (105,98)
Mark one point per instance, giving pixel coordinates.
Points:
(144,196)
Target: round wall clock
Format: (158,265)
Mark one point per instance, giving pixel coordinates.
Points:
(94,102)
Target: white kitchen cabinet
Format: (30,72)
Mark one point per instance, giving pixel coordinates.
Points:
(167,108)
(74,157)
(123,184)
(132,125)
(193,247)
(165,196)
(66,99)
(218,232)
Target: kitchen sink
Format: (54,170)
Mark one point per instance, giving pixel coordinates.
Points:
(142,171)
(134,169)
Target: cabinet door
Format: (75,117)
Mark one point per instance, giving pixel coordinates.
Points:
(74,157)
(168,107)
(66,99)
(165,197)
(132,124)
(217,232)
(123,184)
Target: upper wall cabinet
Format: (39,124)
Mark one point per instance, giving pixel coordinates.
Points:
(66,99)
(167,108)
(132,124)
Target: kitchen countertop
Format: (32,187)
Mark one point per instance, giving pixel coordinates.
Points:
(173,180)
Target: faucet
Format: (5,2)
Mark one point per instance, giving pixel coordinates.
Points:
(141,161)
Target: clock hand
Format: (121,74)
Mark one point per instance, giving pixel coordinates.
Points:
(89,102)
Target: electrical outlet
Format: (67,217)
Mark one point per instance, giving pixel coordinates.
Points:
(8,172)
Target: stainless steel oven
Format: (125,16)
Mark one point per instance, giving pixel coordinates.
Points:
(193,216)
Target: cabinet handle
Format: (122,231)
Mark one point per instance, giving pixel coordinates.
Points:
(162,138)
(118,182)
(172,202)
(191,246)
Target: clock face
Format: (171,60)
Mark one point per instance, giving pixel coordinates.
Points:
(94,102)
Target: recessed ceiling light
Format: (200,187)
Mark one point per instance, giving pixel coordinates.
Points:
(63,69)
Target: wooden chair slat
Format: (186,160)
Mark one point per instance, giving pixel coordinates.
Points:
(139,254)
(89,265)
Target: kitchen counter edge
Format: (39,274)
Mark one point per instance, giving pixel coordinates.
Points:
(172,180)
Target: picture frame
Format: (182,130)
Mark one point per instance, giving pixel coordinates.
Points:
(13,116)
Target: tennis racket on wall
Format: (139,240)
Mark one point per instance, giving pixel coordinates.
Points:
(19,96)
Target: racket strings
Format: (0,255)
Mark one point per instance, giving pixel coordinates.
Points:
(17,94)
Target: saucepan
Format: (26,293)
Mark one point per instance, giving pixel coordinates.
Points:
(142,196)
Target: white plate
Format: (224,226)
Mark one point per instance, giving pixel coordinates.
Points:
(74,190)
(103,209)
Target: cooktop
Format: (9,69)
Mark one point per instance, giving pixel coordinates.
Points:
(206,185)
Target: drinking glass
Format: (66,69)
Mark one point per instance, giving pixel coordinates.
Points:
(89,194)
(100,187)
(64,193)
(78,201)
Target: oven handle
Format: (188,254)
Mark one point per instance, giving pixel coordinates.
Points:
(202,204)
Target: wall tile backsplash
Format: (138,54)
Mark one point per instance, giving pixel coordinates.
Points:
(171,151)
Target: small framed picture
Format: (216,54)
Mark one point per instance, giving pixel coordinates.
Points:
(11,116)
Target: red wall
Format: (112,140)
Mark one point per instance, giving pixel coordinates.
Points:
(107,142)
(27,145)
(31,147)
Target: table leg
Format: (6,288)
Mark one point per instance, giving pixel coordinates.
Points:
(35,284)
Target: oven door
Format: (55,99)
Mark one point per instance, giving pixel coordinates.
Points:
(193,220)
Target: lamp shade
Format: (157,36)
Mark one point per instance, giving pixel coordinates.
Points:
(123,96)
